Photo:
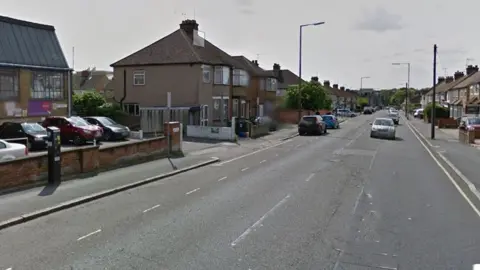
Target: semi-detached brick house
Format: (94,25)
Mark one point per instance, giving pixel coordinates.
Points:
(34,74)
(199,75)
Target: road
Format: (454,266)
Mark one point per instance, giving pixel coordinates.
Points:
(340,201)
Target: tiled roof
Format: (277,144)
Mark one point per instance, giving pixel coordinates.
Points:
(289,78)
(177,48)
(30,44)
(470,80)
(251,67)
(81,83)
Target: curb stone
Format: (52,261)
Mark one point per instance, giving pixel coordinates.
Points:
(92,197)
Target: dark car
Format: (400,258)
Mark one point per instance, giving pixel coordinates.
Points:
(367,110)
(111,129)
(312,124)
(32,135)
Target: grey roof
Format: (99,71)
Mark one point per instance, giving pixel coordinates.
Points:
(252,67)
(30,45)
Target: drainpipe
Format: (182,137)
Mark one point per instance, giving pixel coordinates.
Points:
(230,95)
(124,88)
(69,94)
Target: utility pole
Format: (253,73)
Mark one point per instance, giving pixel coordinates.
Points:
(406,100)
(432,112)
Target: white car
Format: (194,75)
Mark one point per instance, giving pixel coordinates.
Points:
(383,128)
(10,151)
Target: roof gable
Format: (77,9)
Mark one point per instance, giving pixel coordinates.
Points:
(27,44)
(177,48)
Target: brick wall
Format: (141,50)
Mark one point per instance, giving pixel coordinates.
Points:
(88,159)
(289,116)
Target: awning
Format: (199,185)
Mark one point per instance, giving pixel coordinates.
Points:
(457,102)
(473,100)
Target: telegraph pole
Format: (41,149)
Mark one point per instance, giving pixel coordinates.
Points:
(432,112)
(406,100)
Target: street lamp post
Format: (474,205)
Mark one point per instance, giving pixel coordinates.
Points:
(300,67)
(361,87)
(408,85)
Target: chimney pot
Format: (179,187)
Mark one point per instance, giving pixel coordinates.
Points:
(449,79)
(458,75)
(314,79)
(335,86)
(342,88)
(189,26)
(326,83)
(276,66)
(471,69)
(440,79)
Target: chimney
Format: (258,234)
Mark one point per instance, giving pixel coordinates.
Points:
(348,90)
(314,79)
(326,83)
(342,88)
(255,62)
(449,79)
(85,75)
(440,79)
(335,86)
(189,26)
(458,75)
(277,71)
(471,69)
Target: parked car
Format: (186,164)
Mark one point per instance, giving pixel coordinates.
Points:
(346,113)
(312,124)
(418,113)
(331,121)
(368,110)
(383,128)
(11,151)
(30,134)
(470,123)
(111,129)
(74,129)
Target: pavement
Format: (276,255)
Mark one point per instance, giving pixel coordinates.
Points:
(339,201)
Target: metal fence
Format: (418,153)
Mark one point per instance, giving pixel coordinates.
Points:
(153,118)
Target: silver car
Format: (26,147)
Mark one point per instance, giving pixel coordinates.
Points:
(383,128)
(395,116)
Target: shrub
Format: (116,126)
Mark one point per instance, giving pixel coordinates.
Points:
(440,111)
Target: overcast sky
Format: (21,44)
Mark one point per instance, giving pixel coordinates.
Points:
(359,38)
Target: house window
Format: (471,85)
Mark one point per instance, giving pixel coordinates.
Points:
(47,85)
(271,84)
(235,108)
(207,73)
(131,108)
(218,103)
(240,77)
(139,77)
(222,75)
(262,84)
(8,85)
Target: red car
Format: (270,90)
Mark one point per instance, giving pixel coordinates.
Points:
(74,129)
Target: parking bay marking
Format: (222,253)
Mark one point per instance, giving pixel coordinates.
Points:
(192,191)
(88,235)
(151,208)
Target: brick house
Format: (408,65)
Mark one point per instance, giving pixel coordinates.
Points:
(262,88)
(197,73)
(34,74)
(465,93)
(285,78)
(91,80)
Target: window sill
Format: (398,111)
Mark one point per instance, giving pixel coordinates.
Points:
(139,85)
(221,84)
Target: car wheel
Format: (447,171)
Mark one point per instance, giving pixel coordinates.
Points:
(77,140)
(107,136)
(371,135)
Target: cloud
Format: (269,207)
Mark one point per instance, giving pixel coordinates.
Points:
(245,6)
(380,20)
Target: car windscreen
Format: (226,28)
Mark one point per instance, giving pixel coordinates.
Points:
(33,127)
(106,121)
(77,121)
(383,122)
(310,119)
(474,120)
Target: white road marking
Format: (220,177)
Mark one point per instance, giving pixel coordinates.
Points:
(192,191)
(373,159)
(151,208)
(358,200)
(88,235)
(263,161)
(444,170)
(221,179)
(310,177)
(354,139)
(259,222)
(11,268)
(244,169)
(298,146)
(252,153)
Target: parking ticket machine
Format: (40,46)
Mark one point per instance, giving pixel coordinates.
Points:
(54,153)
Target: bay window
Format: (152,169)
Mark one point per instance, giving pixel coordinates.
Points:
(240,77)
(207,73)
(8,85)
(262,84)
(222,75)
(220,103)
(47,85)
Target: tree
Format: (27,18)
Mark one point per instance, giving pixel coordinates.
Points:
(88,103)
(313,97)
(398,96)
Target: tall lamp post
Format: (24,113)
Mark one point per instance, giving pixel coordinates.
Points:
(361,87)
(408,85)
(300,67)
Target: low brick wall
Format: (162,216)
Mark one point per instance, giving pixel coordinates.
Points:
(288,116)
(257,131)
(466,137)
(88,159)
(447,123)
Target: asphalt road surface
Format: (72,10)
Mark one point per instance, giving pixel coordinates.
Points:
(340,201)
